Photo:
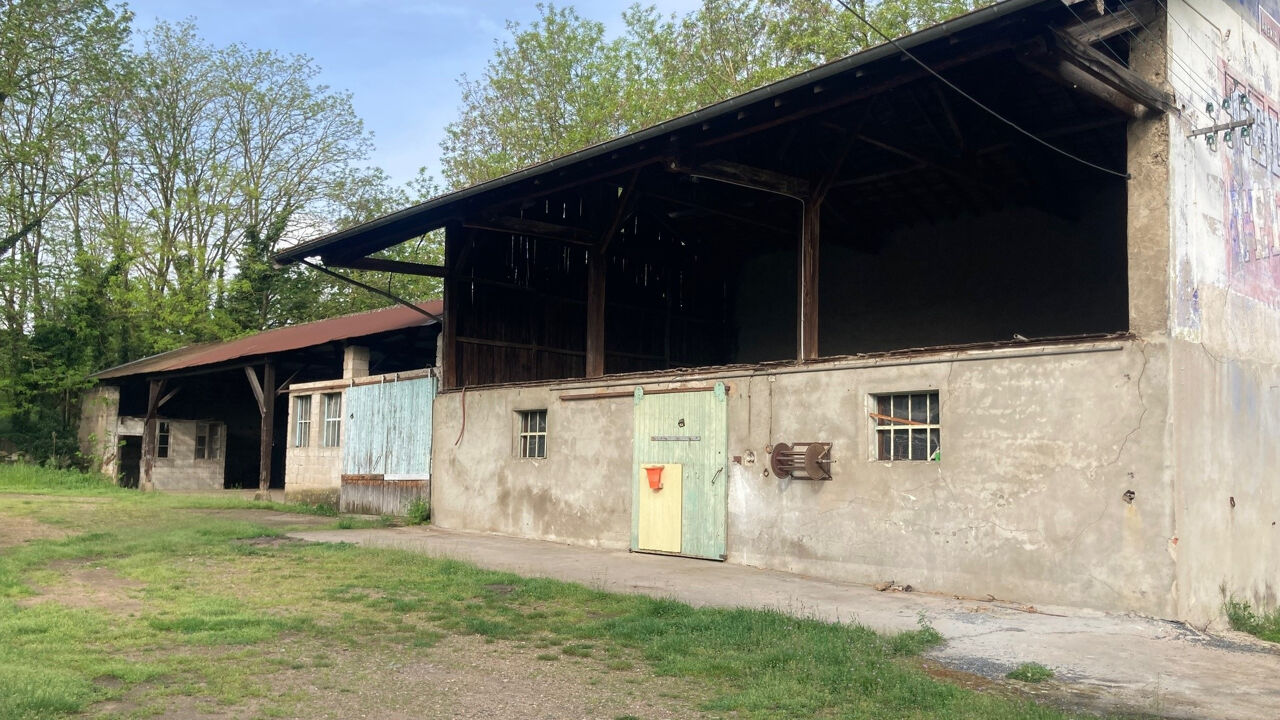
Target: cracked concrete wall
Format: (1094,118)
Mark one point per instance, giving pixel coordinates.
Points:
(578,494)
(1027,504)
(181,470)
(1225,313)
(96,433)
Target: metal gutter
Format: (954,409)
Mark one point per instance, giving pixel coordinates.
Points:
(884,50)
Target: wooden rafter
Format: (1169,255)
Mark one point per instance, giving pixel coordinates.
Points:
(384,265)
(531,228)
(745,176)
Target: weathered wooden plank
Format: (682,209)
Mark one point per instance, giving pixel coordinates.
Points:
(388,428)
(597,271)
(807,307)
(149,426)
(1112,73)
(377,495)
(1134,14)
(267,401)
(448,355)
(746,176)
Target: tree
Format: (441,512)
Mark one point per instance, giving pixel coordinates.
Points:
(560,84)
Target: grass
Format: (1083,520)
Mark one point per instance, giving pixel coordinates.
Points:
(217,607)
(1242,617)
(1030,673)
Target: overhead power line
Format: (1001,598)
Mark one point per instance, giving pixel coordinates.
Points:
(976,101)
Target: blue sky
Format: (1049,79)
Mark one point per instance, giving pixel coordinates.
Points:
(400,59)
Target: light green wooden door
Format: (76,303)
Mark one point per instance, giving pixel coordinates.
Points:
(691,429)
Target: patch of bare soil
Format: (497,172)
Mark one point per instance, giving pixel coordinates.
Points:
(461,677)
(17,530)
(272,541)
(84,585)
(270,518)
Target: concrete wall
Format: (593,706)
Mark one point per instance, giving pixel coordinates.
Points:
(313,473)
(1224,295)
(1028,502)
(97,430)
(181,470)
(577,494)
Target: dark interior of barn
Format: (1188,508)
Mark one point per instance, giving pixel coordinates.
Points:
(864,207)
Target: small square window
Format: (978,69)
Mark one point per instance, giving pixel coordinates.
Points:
(162,440)
(908,426)
(533,433)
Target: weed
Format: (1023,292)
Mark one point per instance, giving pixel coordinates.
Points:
(1242,617)
(548,656)
(1030,673)
(419,512)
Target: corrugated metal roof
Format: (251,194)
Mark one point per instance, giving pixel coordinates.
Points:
(295,337)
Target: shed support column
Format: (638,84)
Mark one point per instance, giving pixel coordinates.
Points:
(807,287)
(149,428)
(597,268)
(447,356)
(265,393)
(268,425)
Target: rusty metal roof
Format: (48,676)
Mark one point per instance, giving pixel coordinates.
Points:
(294,337)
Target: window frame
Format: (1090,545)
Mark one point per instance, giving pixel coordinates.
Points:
(162,439)
(208,444)
(883,424)
(531,438)
(331,432)
(302,421)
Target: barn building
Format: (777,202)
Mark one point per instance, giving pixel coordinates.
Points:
(994,309)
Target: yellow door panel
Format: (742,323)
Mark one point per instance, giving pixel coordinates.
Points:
(660,507)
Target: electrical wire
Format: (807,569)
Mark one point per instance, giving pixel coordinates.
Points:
(1186,32)
(1177,62)
(1186,74)
(977,102)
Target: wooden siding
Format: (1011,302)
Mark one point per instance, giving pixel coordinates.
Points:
(387,429)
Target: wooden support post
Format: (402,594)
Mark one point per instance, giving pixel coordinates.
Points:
(268,408)
(807,262)
(447,359)
(597,269)
(149,438)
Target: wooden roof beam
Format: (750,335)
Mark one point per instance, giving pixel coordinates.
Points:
(1109,25)
(531,228)
(384,265)
(745,176)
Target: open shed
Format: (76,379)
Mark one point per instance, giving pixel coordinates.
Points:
(215,416)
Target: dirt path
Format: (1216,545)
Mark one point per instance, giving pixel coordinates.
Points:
(1106,662)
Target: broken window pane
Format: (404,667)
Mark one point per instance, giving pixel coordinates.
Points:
(907,426)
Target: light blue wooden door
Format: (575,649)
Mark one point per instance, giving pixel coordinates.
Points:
(691,429)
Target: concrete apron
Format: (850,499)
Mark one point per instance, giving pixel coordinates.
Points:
(1114,663)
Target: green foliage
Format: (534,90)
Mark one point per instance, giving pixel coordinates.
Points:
(1242,617)
(1030,673)
(419,512)
(561,83)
